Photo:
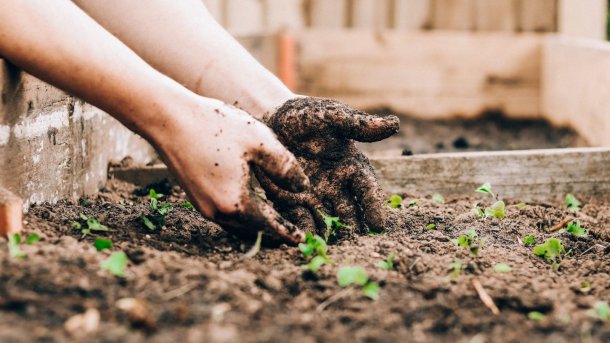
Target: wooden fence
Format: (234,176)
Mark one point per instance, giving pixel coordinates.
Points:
(251,17)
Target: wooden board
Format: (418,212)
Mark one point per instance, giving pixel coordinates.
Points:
(496,15)
(454,14)
(538,15)
(411,14)
(327,14)
(283,15)
(523,175)
(430,74)
(370,14)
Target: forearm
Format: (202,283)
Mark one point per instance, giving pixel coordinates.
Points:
(182,40)
(57,42)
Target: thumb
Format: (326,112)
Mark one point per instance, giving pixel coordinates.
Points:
(280,165)
(363,127)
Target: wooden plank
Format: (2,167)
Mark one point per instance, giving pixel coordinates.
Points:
(454,14)
(583,18)
(282,15)
(327,14)
(537,15)
(370,14)
(243,17)
(411,14)
(496,15)
(449,73)
(576,75)
(524,175)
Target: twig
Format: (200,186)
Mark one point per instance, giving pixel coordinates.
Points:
(180,291)
(334,298)
(485,298)
(561,224)
(593,247)
(256,247)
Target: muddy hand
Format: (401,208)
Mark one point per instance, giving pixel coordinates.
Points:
(321,133)
(211,148)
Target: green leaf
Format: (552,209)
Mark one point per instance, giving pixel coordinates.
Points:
(154,203)
(148,223)
(115,264)
(478,212)
(154,195)
(585,287)
(575,229)
(94,225)
(32,239)
(521,205)
(572,203)
(601,311)
(502,268)
(371,290)
(76,225)
(13,246)
(497,210)
(431,226)
(535,315)
(314,245)
(456,269)
(529,240)
(469,241)
(413,203)
(102,243)
(256,247)
(187,205)
(347,276)
(395,201)
(316,263)
(486,189)
(388,264)
(83,217)
(551,250)
(438,198)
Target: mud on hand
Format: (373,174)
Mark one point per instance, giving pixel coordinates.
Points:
(321,133)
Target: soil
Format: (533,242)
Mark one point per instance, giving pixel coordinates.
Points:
(492,131)
(193,282)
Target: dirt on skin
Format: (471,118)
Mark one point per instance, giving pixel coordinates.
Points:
(492,131)
(193,283)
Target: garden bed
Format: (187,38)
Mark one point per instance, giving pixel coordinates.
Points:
(195,284)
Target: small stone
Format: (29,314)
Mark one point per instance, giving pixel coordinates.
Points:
(83,323)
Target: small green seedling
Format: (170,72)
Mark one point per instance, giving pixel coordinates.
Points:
(413,203)
(521,205)
(469,241)
(502,268)
(90,225)
(455,269)
(33,238)
(315,248)
(551,250)
(160,211)
(332,225)
(535,315)
(256,247)
(84,201)
(585,287)
(572,203)
(431,226)
(529,240)
(115,264)
(14,250)
(395,201)
(601,311)
(478,212)
(348,276)
(486,189)
(187,205)
(316,263)
(438,198)
(497,210)
(577,230)
(388,264)
(102,243)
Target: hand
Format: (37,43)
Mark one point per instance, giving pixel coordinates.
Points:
(321,134)
(210,148)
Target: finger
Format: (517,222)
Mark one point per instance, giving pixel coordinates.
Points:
(281,166)
(365,127)
(301,217)
(347,211)
(366,189)
(278,225)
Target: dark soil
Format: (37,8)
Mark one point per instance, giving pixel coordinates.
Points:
(490,132)
(194,284)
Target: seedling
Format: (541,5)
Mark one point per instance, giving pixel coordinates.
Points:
(455,269)
(315,248)
(32,239)
(116,264)
(497,210)
(395,201)
(388,264)
(601,311)
(160,211)
(529,240)
(102,243)
(256,247)
(486,189)
(535,315)
(585,287)
(438,198)
(187,205)
(551,250)
(84,202)
(478,212)
(316,263)
(469,241)
(502,268)
(13,246)
(577,230)
(572,203)
(431,226)
(332,225)
(521,205)
(413,203)
(348,276)
(90,225)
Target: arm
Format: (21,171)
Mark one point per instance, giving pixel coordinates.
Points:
(208,145)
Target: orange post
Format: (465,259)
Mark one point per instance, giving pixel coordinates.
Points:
(287,69)
(11,216)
